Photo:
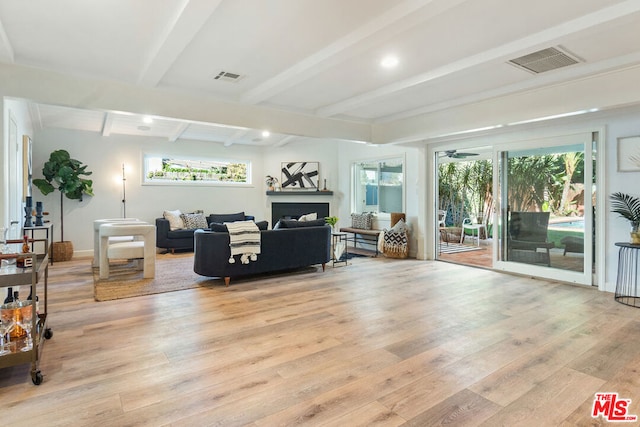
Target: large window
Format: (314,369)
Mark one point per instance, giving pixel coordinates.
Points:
(379,185)
(173,170)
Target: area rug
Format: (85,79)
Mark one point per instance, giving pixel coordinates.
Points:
(174,272)
(455,248)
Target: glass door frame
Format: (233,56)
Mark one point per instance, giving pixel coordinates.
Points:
(502,142)
(585,277)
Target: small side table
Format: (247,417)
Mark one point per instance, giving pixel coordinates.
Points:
(47,227)
(339,239)
(627,291)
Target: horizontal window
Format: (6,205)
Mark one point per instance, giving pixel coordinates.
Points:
(175,170)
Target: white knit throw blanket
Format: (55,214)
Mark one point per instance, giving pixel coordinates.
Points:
(244,240)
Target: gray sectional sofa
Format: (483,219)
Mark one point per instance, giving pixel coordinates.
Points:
(281,249)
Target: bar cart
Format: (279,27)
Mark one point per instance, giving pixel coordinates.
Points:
(27,278)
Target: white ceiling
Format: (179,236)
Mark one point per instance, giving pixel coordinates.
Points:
(317,58)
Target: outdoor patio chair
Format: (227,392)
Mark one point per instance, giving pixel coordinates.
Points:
(527,234)
(476,227)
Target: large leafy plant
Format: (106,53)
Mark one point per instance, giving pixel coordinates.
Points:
(628,207)
(63,173)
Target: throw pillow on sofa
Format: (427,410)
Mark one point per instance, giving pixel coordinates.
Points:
(194,220)
(362,221)
(309,217)
(174,218)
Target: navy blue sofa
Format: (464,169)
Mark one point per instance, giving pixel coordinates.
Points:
(183,239)
(281,249)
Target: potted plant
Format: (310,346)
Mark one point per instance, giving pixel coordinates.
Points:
(628,207)
(64,174)
(271,182)
(332,221)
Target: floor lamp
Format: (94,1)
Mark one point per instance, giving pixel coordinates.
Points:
(124,193)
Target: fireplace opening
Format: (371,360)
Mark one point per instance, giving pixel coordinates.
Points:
(281,210)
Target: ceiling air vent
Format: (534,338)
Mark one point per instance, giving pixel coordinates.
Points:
(544,60)
(227,76)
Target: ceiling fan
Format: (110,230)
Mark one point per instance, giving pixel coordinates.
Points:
(454,154)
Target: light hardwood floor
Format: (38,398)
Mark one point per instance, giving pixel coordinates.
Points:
(379,342)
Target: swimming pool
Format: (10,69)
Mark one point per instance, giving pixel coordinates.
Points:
(572,224)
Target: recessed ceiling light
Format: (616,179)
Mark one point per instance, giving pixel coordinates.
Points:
(265,134)
(147,120)
(389,61)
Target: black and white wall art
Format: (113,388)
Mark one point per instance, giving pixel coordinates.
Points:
(300,175)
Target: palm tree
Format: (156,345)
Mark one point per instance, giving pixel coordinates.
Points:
(528,179)
(572,161)
(465,188)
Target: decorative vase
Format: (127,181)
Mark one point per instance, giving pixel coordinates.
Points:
(38,214)
(28,211)
(27,216)
(635,233)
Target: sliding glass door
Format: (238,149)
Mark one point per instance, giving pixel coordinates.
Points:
(546,208)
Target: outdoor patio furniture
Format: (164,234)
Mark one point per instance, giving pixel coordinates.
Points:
(573,244)
(474,225)
(527,234)
(442,216)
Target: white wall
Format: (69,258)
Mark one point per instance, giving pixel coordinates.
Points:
(617,228)
(104,157)
(323,151)
(414,193)
(11,161)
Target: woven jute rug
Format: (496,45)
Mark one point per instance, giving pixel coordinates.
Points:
(174,272)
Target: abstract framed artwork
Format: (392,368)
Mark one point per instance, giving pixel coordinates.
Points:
(300,175)
(629,154)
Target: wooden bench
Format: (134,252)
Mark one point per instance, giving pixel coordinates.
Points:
(362,236)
